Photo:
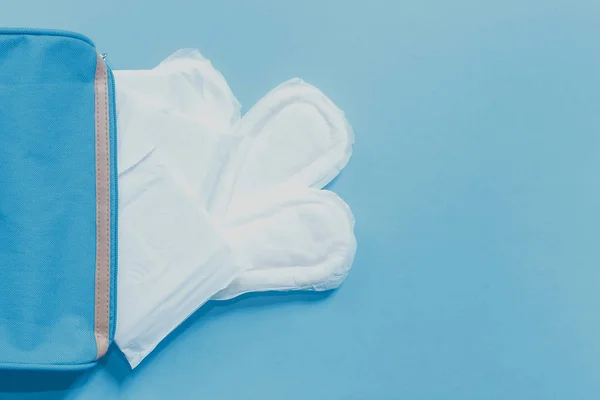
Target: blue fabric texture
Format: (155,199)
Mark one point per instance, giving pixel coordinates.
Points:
(48,200)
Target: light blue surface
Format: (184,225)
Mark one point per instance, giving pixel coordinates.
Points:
(474,183)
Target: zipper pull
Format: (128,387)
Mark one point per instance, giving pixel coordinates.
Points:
(105,58)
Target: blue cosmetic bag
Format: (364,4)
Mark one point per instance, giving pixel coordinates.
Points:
(58,201)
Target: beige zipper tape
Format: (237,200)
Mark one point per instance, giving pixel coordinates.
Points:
(102,289)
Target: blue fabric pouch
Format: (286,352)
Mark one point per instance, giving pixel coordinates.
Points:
(58,201)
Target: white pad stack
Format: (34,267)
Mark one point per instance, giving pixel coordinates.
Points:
(214,206)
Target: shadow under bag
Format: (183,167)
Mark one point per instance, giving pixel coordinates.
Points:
(58,201)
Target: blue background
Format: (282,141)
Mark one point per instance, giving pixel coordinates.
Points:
(474,183)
